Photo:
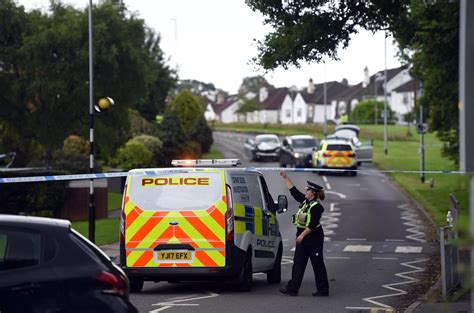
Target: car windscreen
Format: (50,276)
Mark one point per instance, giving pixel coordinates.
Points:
(304,143)
(267,139)
(177,191)
(339,147)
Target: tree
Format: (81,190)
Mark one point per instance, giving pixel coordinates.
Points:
(427,32)
(172,135)
(188,108)
(253,84)
(366,110)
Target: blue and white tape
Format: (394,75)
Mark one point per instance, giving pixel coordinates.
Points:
(168,171)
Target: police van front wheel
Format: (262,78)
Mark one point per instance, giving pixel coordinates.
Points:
(136,285)
(274,276)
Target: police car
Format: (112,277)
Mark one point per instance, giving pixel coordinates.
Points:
(335,154)
(193,223)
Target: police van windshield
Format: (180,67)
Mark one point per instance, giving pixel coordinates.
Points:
(177,192)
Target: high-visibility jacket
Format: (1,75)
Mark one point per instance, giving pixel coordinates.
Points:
(302,218)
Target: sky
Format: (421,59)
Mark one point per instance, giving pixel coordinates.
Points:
(213,41)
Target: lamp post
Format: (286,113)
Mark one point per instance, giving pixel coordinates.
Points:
(91,133)
(325,102)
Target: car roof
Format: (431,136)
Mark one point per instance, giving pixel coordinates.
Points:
(21,220)
(301,137)
(266,135)
(192,169)
(337,142)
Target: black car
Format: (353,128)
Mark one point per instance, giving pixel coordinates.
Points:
(45,266)
(297,151)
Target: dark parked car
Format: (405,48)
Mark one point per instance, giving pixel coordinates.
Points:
(297,151)
(265,146)
(45,266)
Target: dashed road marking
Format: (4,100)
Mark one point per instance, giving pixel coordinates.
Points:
(356,239)
(408,249)
(357,248)
(381,258)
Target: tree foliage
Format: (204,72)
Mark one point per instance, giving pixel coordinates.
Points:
(427,32)
(253,84)
(367,111)
(44,76)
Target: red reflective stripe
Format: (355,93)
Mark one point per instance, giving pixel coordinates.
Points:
(217,215)
(132,216)
(204,258)
(205,232)
(144,259)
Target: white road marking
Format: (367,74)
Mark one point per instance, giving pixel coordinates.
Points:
(380,258)
(325,179)
(399,292)
(395,240)
(328,186)
(412,220)
(338,257)
(408,249)
(331,207)
(356,239)
(340,195)
(170,304)
(357,248)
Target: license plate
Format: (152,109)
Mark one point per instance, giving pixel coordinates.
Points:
(167,256)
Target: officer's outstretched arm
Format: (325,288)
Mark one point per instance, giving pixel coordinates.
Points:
(288,181)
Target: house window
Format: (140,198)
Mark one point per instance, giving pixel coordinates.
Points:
(299,112)
(288,113)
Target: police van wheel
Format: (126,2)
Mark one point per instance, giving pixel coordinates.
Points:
(274,276)
(136,285)
(244,281)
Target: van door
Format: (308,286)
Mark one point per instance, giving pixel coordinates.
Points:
(269,206)
(175,219)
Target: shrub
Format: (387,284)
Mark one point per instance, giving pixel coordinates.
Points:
(133,155)
(73,157)
(153,144)
(364,112)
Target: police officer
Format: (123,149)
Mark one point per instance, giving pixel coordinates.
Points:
(309,239)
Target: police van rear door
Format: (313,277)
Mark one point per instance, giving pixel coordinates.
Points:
(176,219)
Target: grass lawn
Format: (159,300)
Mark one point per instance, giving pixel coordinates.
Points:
(403,154)
(114,201)
(213,154)
(106,230)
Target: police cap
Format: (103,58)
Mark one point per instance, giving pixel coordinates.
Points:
(313,186)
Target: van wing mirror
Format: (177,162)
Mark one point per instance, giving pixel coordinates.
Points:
(282,204)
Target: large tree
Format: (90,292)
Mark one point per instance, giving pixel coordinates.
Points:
(253,84)
(427,32)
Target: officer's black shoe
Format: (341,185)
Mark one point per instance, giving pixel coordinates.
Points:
(320,294)
(288,292)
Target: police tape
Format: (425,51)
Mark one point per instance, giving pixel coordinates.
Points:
(170,171)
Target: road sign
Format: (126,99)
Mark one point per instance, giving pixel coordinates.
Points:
(421,128)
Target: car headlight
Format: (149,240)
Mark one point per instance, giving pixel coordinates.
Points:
(297,155)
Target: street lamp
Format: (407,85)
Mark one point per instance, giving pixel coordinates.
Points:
(385,144)
(325,101)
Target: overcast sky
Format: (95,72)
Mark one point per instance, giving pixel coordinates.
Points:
(213,41)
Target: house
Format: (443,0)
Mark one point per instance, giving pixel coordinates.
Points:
(402,98)
(313,95)
(222,110)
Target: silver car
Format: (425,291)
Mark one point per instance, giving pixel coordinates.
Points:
(266,146)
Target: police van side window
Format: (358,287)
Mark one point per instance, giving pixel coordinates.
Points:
(246,190)
(269,203)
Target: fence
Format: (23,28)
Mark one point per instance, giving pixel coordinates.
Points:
(449,251)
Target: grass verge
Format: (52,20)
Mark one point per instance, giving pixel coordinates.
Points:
(213,154)
(106,230)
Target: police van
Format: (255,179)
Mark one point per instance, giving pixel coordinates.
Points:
(194,223)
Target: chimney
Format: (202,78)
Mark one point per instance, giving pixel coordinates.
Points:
(366,80)
(310,88)
(263,94)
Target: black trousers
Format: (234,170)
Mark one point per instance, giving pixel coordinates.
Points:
(303,252)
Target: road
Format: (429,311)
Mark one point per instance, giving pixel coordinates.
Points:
(378,251)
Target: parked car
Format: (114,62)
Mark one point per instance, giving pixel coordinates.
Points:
(335,154)
(297,151)
(350,133)
(266,146)
(46,266)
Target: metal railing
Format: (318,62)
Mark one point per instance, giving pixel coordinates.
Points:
(450,279)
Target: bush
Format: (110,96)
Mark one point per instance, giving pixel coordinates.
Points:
(153,144)
(133,155)
(364,112)
(73,156)
(36,198)
(140,126)
(203,134)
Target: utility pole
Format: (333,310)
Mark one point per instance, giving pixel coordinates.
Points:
(422,147)
(91,133)
(466,108)
(325,102)
(385,144)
